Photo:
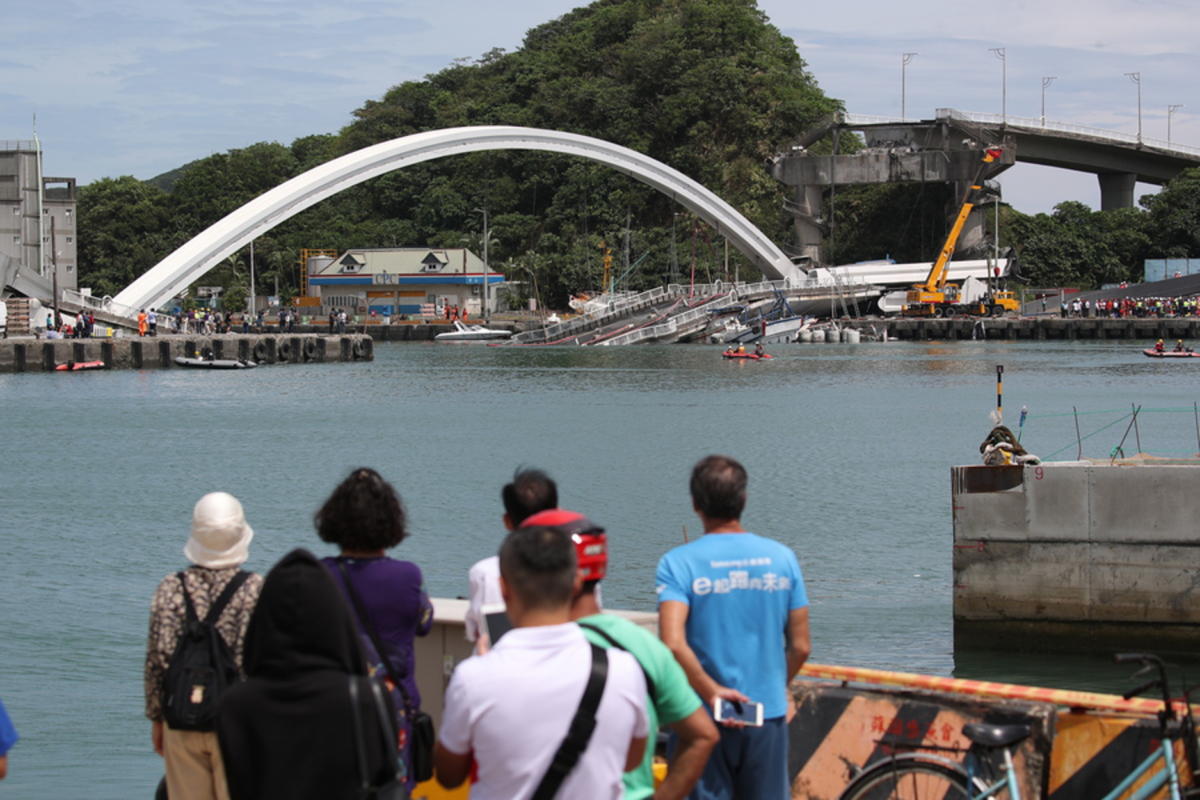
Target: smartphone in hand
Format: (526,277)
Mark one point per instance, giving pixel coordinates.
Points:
(495,620)
(746,713)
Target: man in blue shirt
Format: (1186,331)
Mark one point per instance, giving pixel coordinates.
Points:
(733,610)
(8,737)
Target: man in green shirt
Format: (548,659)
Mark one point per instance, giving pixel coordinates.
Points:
(671,701)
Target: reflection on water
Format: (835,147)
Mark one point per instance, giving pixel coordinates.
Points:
(1089,673)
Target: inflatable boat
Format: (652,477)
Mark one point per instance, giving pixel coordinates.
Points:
(1152,353)
(75,366)
(214,363)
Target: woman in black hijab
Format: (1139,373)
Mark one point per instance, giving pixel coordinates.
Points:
(287,732)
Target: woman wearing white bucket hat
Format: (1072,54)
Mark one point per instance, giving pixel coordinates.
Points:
(217,547)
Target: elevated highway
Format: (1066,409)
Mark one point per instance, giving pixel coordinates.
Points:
(946,148)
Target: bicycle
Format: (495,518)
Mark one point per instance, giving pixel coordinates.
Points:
(928,776)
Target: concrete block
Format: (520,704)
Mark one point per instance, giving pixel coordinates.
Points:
(1022,580)
(1143,504)
(1057,502)
(1140,583)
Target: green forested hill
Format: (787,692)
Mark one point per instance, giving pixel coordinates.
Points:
(707,86)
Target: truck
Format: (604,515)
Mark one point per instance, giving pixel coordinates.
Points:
(935,297)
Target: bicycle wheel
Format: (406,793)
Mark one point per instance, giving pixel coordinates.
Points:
(908,779)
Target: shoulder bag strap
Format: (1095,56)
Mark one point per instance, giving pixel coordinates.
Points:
(580,732)
(387,723)
(189,609)
(235,583)
(651,689)
(359,747)
(365,621)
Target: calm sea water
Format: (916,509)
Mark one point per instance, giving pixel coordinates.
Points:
(848,449)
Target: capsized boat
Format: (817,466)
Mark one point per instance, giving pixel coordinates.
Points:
(471,333)
(214,363)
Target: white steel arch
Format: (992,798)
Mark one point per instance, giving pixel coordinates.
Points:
(179,269)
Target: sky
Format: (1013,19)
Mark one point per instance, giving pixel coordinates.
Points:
(139,87)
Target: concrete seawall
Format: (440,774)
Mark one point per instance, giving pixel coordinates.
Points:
(154,352)
(1077,554)
(1032,328)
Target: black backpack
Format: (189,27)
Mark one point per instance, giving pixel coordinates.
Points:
(201,667)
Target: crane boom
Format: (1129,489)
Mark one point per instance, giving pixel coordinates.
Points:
(934,295)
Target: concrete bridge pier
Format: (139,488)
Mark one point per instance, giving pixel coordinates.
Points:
(809,228)
(1116,190)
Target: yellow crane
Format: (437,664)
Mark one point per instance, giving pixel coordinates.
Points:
(936,297)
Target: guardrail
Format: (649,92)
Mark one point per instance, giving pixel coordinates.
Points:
(1035,124)
(672,326)
(592,319)
(103,304)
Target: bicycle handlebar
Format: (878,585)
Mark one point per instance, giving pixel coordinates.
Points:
(1149,661)
(1145,687)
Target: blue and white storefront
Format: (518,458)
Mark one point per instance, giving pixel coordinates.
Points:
(404,282)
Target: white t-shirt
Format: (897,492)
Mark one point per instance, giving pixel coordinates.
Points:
(512,706)
(483,589)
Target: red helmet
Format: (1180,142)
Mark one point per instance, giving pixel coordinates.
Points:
(591,544)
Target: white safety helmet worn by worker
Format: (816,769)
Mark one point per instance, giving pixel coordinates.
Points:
(591,543)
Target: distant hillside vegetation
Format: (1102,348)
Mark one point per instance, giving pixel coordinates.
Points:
(707,86)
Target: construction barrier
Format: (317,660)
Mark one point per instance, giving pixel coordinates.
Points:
(1082,743)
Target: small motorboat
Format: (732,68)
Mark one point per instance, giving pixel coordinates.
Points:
(471,333)
(75,366)
(215,363)
(1152,353)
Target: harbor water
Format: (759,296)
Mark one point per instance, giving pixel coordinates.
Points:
(848,449)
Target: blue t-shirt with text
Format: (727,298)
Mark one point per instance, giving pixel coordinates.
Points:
(739,588)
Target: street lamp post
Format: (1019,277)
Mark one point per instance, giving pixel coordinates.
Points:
(905,58)
(1171,109)
(1002,54)
(251,278)
(483,211)
(1046,81)
(1136,77)
(674,255)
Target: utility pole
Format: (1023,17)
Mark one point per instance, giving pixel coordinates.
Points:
(1002,54)
(484,293)
(905,58)
(1046,81)
(1136,77)
(251,277)
(1171,109)
(674,255)
(41,201)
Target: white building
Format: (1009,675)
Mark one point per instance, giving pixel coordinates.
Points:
(408,281)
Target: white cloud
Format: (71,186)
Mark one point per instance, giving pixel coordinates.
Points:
(151,84)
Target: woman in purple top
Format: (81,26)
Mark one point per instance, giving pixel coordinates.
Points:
(364,517)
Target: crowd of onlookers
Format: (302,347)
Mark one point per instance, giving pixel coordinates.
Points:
(1123,307)
(559,699)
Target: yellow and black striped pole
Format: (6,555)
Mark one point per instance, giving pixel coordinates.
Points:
(999,394)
